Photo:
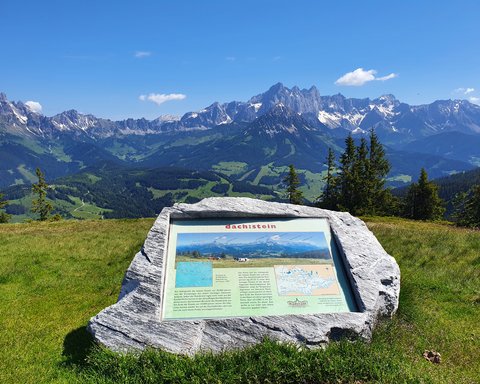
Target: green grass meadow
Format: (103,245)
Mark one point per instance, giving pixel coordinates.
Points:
(55,276)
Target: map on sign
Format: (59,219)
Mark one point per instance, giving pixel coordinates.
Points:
(306,280)
(253,267)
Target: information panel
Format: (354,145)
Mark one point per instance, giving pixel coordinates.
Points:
(253,267)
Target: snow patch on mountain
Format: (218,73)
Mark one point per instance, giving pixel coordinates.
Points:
(358,131)
(355,118)
(21,118)
(331,120)
(256,106)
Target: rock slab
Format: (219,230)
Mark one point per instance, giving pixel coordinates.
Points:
(134,322)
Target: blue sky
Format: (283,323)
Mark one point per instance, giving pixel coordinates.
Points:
(119,59)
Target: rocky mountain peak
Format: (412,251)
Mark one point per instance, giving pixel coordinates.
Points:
(279,120)
(388,98)
(276,88)
(383,113)
(314,91)
(388,101)
(167,118)
(70,113)
(279,109)
(299,100)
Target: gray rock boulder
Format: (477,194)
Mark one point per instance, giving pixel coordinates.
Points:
(134,322)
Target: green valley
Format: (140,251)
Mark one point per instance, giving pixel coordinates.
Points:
(116,192)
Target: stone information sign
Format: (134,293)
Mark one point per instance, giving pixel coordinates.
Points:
(225,273)
(253,267)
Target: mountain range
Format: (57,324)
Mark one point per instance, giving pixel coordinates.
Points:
(386,114)
(258,249)
(250,142)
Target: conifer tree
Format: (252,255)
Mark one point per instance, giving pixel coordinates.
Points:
(346,176)
(473,207)
(466,208)
(422,201)
(360,186)
(4,217)
(459,214)
(328,198)
(379,198)
(292,182)
(40,205)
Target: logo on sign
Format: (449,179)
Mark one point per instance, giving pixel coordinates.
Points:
(297,303)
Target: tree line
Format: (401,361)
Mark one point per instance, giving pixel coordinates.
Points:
(356,183)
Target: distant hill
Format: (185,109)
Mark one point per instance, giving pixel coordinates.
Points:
(111,191)
(451,145)
(20,156)
(450,186)
(460,182)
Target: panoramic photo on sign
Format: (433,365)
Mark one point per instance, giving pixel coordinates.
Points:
(251,267)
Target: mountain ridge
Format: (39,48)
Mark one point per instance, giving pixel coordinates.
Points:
(386,114)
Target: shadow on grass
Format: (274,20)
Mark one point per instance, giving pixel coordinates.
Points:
(408,308)
(76,347)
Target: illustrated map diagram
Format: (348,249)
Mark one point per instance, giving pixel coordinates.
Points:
(306,280)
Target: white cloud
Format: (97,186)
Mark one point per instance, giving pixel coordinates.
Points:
(160,98)
(464,91)
(34,106)
(468,91)
(275,238)
(142,54)
(230,58)
(220,239)
(388,77)
(360,77)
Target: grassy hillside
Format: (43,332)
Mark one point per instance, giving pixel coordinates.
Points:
(55,276)
(118,192)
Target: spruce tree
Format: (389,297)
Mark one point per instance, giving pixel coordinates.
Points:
(360,186)
(466,208)
(422,201)
(328,198)
(346,176)
(4,217)
(294,195)
(459,213)
(473,207)
(380,199)
(40,205)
